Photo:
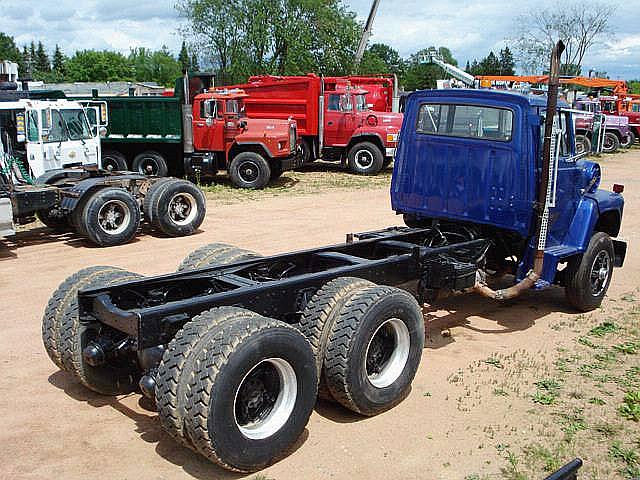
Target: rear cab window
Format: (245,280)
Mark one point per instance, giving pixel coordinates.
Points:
(465,121)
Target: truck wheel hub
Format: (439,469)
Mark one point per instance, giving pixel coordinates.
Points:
(183,208)
(363,158)
(113,217)
(265,398)
(600,273)
(387,353)
(248,172)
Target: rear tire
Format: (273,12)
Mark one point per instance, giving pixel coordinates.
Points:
(150,163)
(611,143)
(176,367)
(215,254)
(113,161)
(59,302)
(319,316)
(253,389)
(631,139)
(365,158)
(589,275)
(176,208)
(116,376)
(249,170)
(374,349)
(307,152)
(111,216)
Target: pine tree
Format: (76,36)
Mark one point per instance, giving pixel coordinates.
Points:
(24,65)
(507,64)
(183,57)
(467,68)
(58,63)
(195,66)
(42,59)
(32,55)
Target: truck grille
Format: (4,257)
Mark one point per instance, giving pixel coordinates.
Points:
(293,138)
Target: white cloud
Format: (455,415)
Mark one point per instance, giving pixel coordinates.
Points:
(470,28)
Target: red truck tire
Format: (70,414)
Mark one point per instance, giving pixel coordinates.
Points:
(249,170)
(365,158)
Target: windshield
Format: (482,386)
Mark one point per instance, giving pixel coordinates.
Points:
(361,103)
(77,125)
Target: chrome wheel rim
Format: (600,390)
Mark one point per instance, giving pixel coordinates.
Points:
(114,217)
(265,398)
(387,353)
(600,272)
(363,159)
(248,171)
(148,166)
(182,208)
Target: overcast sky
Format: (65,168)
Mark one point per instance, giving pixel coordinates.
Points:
(469,28)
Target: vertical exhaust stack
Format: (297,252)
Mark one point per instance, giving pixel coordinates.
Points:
(545,190)
(187,117)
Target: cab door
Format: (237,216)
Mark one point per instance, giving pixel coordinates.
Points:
(38,164)
(339,120)
(208,126)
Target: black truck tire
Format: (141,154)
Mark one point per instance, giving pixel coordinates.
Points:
(631,139)
(150,196)
(365,158)
(113,161)
(115,376)
(54,219)
(176,366)
(150,163)
(177,208)
(249,170)
(276,170)
(374,349)
(589,275)
(306,150)
(110,216)
(583,145)
(253,389)
(215,254)
(57,305)
(611,143)
(320,314)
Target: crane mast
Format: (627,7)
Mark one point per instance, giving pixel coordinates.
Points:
(434,57)
(366,32)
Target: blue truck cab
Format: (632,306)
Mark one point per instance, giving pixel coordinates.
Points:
(471,162)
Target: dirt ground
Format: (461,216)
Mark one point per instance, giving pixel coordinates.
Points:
(450,427)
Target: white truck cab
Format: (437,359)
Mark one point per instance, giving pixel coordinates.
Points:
(48,134)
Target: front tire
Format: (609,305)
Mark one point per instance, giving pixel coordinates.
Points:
(111,216)
(589,275)
(249,170)
(583,145)
(611,143)
(253,389)
(374,349)
(365,158)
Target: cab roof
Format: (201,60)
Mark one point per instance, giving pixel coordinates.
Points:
(224,94)
(484,94)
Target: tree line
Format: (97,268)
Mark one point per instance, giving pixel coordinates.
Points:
(140,65)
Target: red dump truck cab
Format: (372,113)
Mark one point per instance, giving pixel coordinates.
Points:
(382,90)
(333,118)
(254,151)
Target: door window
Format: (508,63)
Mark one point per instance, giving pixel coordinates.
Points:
(32,126)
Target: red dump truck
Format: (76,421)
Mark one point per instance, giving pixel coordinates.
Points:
(333,118)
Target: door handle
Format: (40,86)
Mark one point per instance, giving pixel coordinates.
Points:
(329,123)
(199,124)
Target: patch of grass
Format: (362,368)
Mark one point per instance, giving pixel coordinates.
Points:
(628,348)
(548,391)
(596,401)
(573,422)
(537,454)
(588,343)
(316,178)
(494,362)
(628,457)
(630,408)
(604,328)
(500,392)
(512,471)
(607,429)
